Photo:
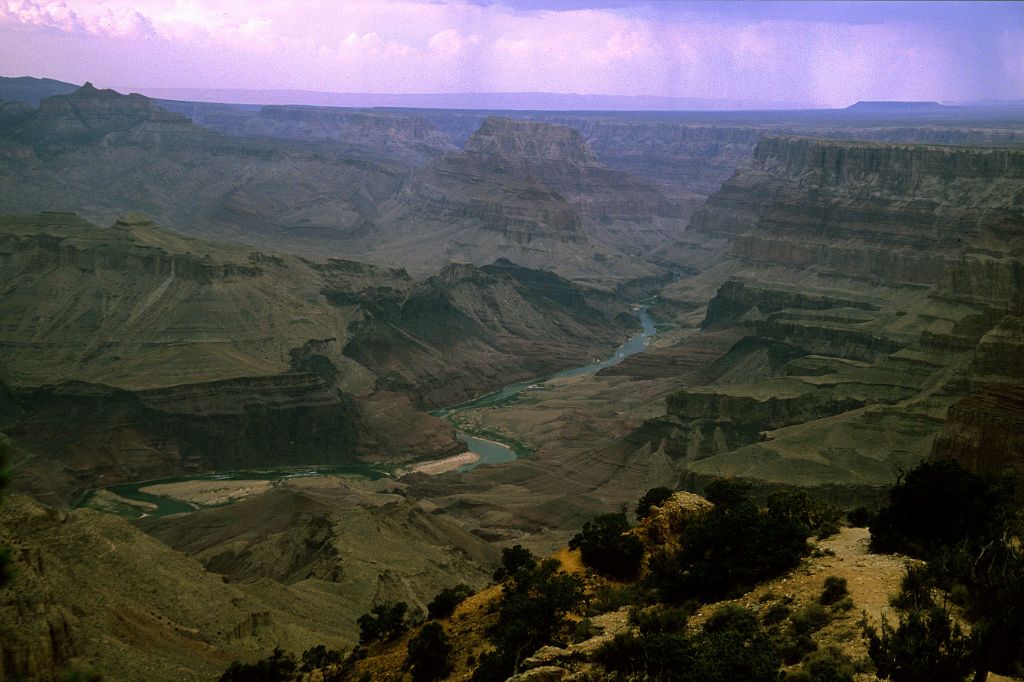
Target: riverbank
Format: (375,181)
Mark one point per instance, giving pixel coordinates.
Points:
(440,466)
(209,493)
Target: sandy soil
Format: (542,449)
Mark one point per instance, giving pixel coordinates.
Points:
(439,466)
(105,500)
(209,493)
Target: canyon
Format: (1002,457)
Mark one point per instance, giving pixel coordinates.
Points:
(192,289)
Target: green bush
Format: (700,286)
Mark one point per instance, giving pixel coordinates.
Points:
(731,548)
(663,618)
(275,668)
(318,657)
(606,546)
(829,665)
(531,613)
(941,504)
(835,589)
(925,646)
(614,597)
(809,619)
(385,622)
(915,589)
(445,602)
(776,613)
(429,652)
(513,560)
(654,497)
(861,517)
(821,518)
(730,647)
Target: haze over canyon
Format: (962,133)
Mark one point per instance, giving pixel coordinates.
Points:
(271,360)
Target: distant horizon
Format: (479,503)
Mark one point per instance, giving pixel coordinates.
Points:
(758,55)
(528,100)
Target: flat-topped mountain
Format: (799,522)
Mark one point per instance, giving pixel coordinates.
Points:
(530,142)
(534,193)
(895,105)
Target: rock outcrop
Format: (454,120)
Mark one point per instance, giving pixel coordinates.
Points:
(534,193)
(404,136)
(984,432)
(881,278)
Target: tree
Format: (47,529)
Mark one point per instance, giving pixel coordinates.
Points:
(940,504)
(606,546)
(444,603)
(969,530)
(925,646)
(733,546)
(513,560)
(319,656)
(531,614)
(278,667)
(385,622)
(429,652)
(654,497)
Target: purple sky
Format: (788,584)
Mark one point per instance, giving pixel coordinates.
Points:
(812,54)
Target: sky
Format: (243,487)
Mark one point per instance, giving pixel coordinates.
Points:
(814,54)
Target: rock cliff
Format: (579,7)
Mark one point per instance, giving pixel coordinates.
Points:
(883,273)
(985,432)
(533,193)
(400,135)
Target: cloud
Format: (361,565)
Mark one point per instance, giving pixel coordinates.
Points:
(95,20)
(759,53)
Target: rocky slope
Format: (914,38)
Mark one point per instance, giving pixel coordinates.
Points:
(864,276)
(103,154)
(985,432)
(92,593)
(130,352)
(405,136)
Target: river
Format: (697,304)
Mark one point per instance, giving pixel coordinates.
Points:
(490,451)
(494,452)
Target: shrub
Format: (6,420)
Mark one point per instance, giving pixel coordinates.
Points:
(428,654)
(513,560)
(385,622)
(819,517)
(733,546)
(319,656)
(941,504)
(834,590)
(663,618)
(605,546)
(614,597)
(444,603)
(731,646)
(776,613)
(915,590)
(278,666)
(531,613)
(861,517)
(654,497)
(925,646)
(829,665)
(809,619)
